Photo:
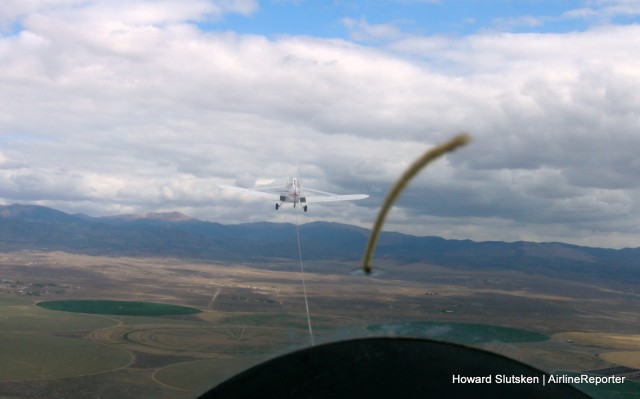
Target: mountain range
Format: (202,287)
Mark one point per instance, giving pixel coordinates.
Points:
(31,227)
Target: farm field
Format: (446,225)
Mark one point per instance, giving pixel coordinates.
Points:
(241,315)
(123,308)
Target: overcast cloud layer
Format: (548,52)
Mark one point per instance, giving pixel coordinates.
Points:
(129,106)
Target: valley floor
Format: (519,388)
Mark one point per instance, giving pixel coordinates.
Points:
(254,311)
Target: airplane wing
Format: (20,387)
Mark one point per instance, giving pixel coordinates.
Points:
(254,192)
(330,197)
(335,197)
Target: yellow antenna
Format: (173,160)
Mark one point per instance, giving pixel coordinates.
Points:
(395,191)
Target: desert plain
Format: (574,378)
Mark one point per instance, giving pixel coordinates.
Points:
(254,311)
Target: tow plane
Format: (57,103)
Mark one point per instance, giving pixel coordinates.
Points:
(293,193)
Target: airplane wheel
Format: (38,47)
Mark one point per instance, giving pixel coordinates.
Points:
(305,208)
(277,206)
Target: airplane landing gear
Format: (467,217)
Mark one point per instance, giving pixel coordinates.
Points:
(277,206)
(305,208)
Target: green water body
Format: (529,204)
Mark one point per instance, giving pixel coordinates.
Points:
(118,308)
(461,333)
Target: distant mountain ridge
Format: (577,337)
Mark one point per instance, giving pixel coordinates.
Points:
(172,234)
(163,216)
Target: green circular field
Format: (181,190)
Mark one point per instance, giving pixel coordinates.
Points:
(21,315)
(461,333)
(35,356)
(202,375)
(118,308)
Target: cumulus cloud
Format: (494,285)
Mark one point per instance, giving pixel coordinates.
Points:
(109,108)
(605,11)
(362,30)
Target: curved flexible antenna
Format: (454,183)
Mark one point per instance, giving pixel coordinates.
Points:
(413,170)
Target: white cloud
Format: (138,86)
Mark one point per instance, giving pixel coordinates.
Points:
(362,30)
(604,11)
(527,21)
(104,111)
(117,14)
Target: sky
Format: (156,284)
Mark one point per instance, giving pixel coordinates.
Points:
(130,106)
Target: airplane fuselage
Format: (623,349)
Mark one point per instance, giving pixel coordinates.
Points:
(292,194)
